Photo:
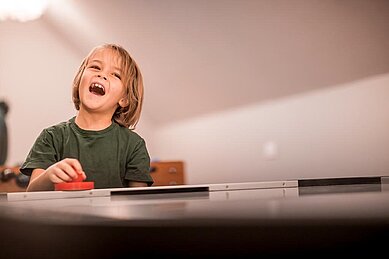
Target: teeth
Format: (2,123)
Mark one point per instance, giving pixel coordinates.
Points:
(97,88)
(98,85)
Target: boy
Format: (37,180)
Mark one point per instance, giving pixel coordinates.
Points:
(99,142)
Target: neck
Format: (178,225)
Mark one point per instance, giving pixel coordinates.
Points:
(88,121)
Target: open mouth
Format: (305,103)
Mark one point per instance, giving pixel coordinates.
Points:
(97,89)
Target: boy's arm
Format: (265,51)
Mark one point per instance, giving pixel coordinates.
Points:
(39,181)
(63,171)
(137,184)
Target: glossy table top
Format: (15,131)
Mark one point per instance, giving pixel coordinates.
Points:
(356,215)
(362,201)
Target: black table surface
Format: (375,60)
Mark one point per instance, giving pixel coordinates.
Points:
(344,220)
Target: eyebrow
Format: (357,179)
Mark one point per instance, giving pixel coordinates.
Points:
(99,61)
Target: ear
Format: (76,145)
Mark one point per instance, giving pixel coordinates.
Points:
(123,102)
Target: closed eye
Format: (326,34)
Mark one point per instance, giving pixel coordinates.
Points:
(117,75)
(94,67)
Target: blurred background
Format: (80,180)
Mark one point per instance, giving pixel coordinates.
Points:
(249,90)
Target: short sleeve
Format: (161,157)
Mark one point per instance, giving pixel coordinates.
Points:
(138,166)
(42,154)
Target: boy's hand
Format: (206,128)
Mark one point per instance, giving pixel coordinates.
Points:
(66,170)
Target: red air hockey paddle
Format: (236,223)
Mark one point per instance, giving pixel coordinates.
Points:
(76,185)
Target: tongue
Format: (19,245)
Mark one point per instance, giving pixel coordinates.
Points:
(96,90)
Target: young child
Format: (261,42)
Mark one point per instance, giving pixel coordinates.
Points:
(99,142)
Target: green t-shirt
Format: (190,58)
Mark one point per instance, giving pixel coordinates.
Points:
(110,157)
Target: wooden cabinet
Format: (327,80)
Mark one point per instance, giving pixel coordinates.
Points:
(9,177)
(167,173)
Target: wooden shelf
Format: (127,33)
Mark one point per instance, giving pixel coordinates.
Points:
(168,173)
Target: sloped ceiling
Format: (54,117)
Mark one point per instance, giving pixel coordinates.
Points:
(200,56)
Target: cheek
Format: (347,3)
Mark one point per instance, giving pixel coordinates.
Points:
(83,81)
(83,87)
(84,84)
(119,89)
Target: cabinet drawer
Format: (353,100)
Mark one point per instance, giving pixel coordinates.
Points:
(167,173)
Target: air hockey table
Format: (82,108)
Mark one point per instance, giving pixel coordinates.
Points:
(306,217)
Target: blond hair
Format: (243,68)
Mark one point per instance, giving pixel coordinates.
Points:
(132,79)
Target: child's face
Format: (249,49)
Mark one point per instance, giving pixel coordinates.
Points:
(101,88)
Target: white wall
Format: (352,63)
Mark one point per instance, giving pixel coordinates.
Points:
(36,72)
(334,132)
(337,131)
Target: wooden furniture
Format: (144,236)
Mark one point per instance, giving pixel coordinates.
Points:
(8,182)
(167,173)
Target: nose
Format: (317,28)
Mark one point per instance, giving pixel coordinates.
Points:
(102,77)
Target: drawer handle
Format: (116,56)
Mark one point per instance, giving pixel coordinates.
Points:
(172,170)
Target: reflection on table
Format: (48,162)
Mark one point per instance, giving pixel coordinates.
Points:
(293,220)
